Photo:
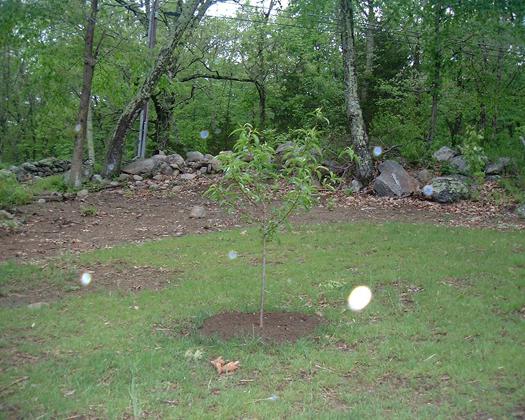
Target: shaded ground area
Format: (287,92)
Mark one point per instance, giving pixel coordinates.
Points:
(279,327)
(134,216)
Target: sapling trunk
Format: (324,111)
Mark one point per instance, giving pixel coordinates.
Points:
(263,282)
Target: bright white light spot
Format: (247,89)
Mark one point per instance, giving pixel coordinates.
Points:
(204,134)
(85,279)
(428,190)
(377,151)
(232,255)
(273,398)
(359,298)
(77,128)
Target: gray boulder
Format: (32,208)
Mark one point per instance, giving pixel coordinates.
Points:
(97,178)
(166,169)
(82,193)
(449,189)
(194,157)
(214,166)
(424,176)
(355,186)
(198,212)
(498,167)
(161,157)
(29,167)
(145,167)
(5,215)
(176,161)
(460,164)
(520,211)
(444,154)
(394,181)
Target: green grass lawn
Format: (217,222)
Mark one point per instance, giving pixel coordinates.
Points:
(442,338)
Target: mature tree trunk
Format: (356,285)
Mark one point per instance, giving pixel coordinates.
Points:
(261,90)
(370,45)
(436,77)
(191,13)
(354,115)
(89,136)
(261,70)
(499,76)
(75,177)
(164,105)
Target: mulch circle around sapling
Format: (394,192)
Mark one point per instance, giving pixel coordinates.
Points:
(279,327)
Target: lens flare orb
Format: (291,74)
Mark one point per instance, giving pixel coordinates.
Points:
(359,298)
(428,190)
(232,255)
(204,134)
(377,151)
(85,279)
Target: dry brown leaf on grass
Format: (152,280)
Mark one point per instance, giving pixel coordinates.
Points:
(222,367)
(218,363)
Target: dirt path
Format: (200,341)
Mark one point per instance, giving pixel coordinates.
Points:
(124,216)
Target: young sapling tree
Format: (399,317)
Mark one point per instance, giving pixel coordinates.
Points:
(267,191)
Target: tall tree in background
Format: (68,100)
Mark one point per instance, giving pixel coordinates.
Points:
(354,114)
(75,176)
(369,30)
(190,14)
(438,13)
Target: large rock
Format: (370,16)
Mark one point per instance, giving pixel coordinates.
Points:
(520,211)
(194,157)
(424,176)
(144,167)
(444,154)
(160,157)
(166,169)
(460,164)
(176,161)
(5,215)
(498,167)
(394,181)
(214,166)
(449,189)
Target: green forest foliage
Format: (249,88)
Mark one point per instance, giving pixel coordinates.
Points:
(477,48)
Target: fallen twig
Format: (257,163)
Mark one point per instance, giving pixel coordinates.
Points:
(23,378)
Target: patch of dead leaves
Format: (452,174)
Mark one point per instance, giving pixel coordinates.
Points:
(224,367)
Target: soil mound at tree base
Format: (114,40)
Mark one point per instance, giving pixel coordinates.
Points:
(279,327)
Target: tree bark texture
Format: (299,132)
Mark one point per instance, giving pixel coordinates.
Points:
(436,77)
(89,136)
(370,45)
(190,15)
(354,114)
(164,105)
(75,177)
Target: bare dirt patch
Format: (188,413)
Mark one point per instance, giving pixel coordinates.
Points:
(124,216)
(279,327)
